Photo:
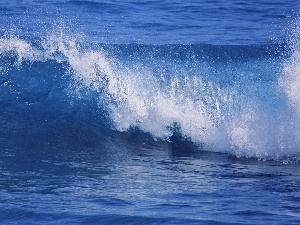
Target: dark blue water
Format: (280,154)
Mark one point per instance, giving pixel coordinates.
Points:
(149,112)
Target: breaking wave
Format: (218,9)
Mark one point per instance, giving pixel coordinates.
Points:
(241,100)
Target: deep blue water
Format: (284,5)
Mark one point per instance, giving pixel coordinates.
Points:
(149,112)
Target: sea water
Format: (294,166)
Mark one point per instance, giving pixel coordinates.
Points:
(149,112)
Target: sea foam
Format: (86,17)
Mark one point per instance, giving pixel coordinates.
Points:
(232,118)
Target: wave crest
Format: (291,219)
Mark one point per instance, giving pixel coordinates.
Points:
(226,104)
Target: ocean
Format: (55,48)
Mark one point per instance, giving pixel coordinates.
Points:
(149,112)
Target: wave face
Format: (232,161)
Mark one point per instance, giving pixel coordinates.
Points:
(241,100)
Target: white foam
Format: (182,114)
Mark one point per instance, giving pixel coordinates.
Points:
(220,118)
(22,49)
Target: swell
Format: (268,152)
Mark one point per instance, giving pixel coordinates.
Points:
(232,99)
